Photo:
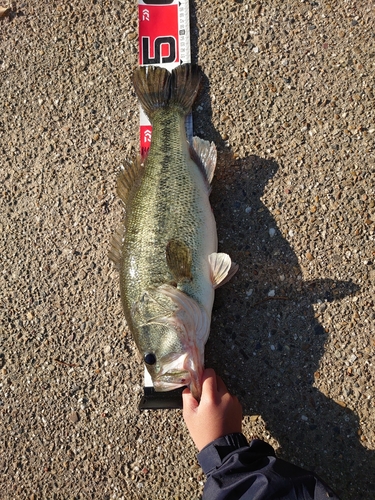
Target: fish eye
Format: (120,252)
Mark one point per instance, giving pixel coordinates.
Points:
(149,358)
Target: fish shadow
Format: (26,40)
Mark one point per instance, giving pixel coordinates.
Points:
(265,334)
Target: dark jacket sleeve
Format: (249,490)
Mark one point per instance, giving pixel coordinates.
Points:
(236,470)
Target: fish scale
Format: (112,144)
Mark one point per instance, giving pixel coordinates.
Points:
(168,200)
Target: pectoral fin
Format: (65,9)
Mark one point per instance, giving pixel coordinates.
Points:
(222,268)
(179,260)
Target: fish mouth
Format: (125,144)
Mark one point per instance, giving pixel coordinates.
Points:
(173,374)
(180,370)
(172,380)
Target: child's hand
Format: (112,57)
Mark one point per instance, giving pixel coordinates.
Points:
(217,414)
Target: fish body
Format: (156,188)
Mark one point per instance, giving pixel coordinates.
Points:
(167,254)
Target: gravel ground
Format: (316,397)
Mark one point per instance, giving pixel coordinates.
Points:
(289,100)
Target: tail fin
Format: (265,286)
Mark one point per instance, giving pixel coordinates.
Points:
(157,88)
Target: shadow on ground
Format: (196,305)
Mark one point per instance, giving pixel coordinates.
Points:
(271,346)
(268,348)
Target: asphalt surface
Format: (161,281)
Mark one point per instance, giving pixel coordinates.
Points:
(288,98)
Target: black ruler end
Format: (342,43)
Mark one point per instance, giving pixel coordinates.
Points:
(152,400)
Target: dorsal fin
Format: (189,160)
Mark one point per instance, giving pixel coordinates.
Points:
(128,177)
(115,249)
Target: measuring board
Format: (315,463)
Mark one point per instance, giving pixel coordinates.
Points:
(164,40)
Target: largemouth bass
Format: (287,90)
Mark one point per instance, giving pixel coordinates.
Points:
(166,249)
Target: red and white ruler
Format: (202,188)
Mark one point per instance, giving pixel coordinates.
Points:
(164,40)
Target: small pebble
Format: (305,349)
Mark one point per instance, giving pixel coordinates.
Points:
(4,11)
(73,417)
(352,358)
(309,256)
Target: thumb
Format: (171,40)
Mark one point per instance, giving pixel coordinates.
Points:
(190,404)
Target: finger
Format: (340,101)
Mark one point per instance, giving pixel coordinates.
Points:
(209,386)
(188,401)
(209,383)
(221,387)
(208,372)
(237,403)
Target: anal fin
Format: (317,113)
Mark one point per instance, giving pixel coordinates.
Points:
(204,154)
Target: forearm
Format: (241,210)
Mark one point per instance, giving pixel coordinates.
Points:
(237,470)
